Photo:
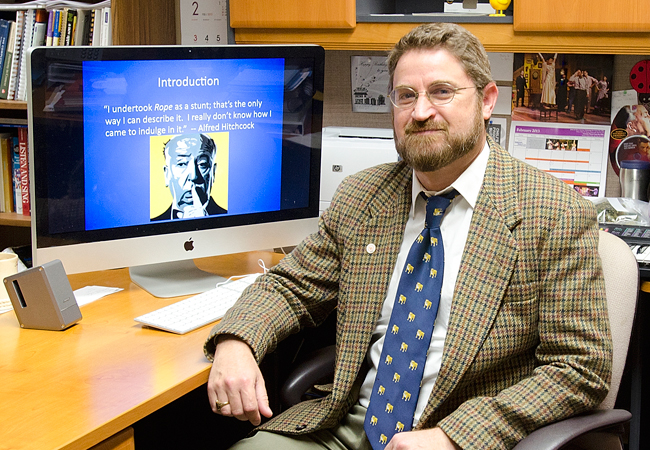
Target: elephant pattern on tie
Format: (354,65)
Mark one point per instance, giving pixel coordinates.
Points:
(395,395)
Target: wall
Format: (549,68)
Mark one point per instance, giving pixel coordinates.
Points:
(338,98)
(621,81)
(337,109)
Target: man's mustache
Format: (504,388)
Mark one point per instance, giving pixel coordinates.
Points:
(427,125)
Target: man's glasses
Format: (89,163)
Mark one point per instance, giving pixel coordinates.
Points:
(438,94)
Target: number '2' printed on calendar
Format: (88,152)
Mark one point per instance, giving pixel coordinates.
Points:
(204,22)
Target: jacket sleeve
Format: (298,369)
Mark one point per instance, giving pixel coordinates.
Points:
(300,291)
(573,355)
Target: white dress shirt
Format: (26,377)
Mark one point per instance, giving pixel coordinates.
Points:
(454,229)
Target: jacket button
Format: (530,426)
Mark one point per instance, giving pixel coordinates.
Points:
(301,427)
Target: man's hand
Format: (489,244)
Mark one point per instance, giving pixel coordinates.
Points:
(236,378)
(199,206)
(433,438)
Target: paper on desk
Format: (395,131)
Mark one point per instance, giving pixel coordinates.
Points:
(89,294)
(5,306)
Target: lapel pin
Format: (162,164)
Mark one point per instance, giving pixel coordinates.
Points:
(370,248)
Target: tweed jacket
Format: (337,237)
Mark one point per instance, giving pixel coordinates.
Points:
(528,340)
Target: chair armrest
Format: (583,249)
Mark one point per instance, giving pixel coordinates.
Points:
(319,365)
(555,435)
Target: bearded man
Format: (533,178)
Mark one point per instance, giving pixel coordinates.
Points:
(517,334)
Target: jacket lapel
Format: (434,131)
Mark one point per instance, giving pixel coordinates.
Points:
(371,255)
(486,267)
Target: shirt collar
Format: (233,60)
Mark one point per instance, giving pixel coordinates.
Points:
(468,184)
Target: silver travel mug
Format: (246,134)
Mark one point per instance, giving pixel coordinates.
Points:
(634,177)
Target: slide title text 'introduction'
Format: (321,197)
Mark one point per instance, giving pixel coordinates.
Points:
(187,82)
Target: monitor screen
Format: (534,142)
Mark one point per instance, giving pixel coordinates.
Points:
(148,155)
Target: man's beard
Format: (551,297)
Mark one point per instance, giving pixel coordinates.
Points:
(428,153)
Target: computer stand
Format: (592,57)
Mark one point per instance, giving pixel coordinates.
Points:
(173,279)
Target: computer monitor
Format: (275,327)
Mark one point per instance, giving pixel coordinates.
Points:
(149,157)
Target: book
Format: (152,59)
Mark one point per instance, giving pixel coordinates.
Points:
(63,24)
(56,28)
(73,28)
(29,33)
(106,36)
(18,200)
(91,28)
(24,169)
(69,26)
(8,61)
(97,27)
(39,28)
(15,63)
(50,28)
(5,27)
(7,172)
(82,28)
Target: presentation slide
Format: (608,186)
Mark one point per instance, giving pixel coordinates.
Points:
(150,126)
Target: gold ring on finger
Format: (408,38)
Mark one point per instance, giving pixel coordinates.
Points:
(221,405)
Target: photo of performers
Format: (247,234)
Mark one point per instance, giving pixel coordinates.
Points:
(565,88)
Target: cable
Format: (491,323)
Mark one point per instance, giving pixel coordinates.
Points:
(260,263)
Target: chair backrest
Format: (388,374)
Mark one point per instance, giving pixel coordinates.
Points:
(621,273)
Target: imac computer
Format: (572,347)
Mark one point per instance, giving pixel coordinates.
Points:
(149,157)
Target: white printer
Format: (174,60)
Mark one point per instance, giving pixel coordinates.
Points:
(347,150)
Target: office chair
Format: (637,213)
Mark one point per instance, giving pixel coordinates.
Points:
(601,428)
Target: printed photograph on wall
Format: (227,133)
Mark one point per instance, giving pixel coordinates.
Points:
(563,88)
(629,137)
(369,84)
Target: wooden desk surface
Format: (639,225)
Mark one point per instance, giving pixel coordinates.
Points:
(72,389)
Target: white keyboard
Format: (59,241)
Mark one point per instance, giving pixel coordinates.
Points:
(199,310)
(641,253)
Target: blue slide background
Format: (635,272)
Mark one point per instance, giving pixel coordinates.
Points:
(117,170)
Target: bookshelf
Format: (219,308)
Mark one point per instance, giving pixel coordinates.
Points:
(14,228)
(140,22)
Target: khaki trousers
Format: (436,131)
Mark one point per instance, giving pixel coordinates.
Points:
(348,435)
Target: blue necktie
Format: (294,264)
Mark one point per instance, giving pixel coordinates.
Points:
(399,374)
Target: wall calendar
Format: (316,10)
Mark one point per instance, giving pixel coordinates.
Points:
(203,22)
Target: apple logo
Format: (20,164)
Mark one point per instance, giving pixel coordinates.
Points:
(188,245)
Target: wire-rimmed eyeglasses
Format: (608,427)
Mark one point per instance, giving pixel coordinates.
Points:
(438,94)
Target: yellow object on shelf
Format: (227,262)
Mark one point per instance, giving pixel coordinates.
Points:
(500,6)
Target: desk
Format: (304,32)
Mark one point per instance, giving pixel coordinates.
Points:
(73,389)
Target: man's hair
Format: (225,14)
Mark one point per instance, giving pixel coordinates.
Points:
(455,39)
(207,143)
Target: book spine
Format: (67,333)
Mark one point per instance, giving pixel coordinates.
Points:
(73,28)
(28,41)
(8,62)
(15,63)
(18,200)
(91,28)
(56,29)
(63,25)
(4,38)
(24,169)
(81,32)
(97,29)
(50,28)
(40,28)
(7,173)
(3,205)
(106,26)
